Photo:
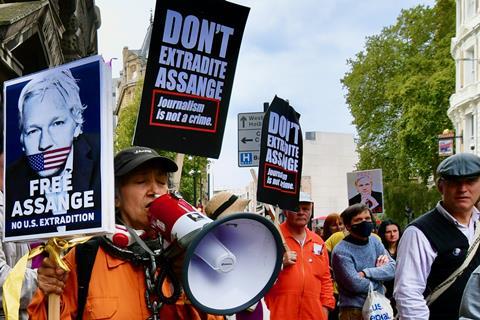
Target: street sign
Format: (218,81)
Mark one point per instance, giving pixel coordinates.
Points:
(248,121)
(248,158)
(249,140)
(249,134)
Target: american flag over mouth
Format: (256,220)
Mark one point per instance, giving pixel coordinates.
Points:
(50,159)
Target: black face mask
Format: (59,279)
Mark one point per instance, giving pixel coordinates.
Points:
(362,229)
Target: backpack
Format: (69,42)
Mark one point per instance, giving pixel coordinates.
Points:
(85,258)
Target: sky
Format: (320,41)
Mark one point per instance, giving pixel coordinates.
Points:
(297,50)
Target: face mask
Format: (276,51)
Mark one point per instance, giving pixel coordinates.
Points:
(362,229)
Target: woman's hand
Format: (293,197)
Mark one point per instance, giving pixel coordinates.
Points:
(382,260)
(51,278)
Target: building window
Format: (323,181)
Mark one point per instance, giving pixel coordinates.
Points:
(469,64)
(132,72)
(470,131)
(310,135)
(459,17)
(470,9)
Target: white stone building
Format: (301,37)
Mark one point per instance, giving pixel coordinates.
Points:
(465,102)
(327,157)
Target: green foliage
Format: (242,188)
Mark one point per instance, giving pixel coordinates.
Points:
(194,170)
(416,196)
(127,119)
(398,91)
(124,137)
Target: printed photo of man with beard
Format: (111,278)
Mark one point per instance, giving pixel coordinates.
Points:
(58,157)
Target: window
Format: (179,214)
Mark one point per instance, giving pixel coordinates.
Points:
(132,72)
(459,17)
(469,64)
(470,9)
(469,131)
(310,135)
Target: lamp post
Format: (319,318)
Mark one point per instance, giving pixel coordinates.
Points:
(408,213)
(194,176)
(194,172)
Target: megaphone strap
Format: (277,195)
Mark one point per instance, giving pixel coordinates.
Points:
(167,274)
(154,276)
(139,241)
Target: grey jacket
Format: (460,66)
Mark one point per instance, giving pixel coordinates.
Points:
(10,253)
(470,305)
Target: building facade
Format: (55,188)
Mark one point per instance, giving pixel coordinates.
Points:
(133,70)
(36,35)
(465,102)
(327,157)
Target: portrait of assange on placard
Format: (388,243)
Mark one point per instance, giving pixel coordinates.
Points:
(55,121)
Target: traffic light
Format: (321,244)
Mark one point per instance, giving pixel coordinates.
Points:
(408,213)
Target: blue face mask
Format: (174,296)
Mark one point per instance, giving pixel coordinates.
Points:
(362,229)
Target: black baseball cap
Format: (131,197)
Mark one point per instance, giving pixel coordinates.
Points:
(129,159)
(459,166)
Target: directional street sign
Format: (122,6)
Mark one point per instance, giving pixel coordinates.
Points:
(249,134)
(248,121)
(249,140)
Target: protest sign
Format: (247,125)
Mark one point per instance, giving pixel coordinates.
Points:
(281,151)
(366,187)
(446,143)
(59,152)
(189,77)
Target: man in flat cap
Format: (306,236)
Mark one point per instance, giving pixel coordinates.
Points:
(435,245)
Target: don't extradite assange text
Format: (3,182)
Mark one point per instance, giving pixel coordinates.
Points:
(189,76)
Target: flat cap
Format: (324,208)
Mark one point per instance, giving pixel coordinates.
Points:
(460,165)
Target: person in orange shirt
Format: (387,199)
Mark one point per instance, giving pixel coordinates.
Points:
(304,288)
(123,283)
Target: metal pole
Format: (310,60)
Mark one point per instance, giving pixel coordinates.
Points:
(195,189)
(201,188)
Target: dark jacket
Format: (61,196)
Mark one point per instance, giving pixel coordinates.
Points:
(451,246)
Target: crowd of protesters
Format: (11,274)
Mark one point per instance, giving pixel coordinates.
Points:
(428,272)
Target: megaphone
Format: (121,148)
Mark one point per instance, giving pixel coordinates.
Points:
(228,264)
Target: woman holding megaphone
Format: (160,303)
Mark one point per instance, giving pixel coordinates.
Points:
(121,282)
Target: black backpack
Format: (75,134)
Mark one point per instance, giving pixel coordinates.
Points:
(85,258)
